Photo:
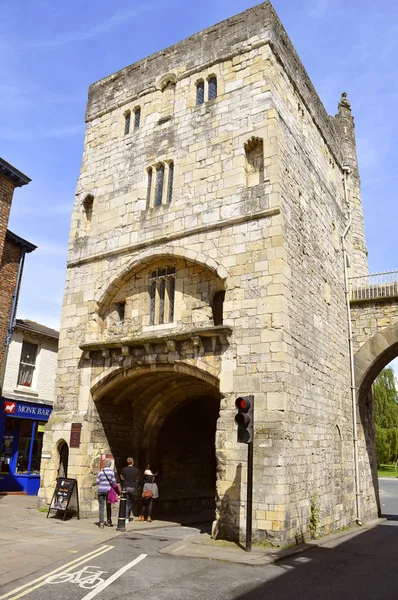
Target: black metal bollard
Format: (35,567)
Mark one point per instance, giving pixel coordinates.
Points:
(121,519)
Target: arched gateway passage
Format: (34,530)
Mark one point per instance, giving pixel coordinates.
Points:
(166,414)
(378,351)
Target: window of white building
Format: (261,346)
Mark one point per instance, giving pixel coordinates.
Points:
(27,364)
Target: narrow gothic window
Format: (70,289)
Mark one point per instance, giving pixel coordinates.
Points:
(161,296)
(254,162)
(218,304)
(121,308)
(152,301)
(159,185)
(172,285)
(168,95)
(149,187)
(170,183)
(200,92)
(212,88)
(88,204)
(127,119)
(137,118)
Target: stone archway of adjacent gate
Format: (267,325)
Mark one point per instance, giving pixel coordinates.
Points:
(369,360)
(372,357)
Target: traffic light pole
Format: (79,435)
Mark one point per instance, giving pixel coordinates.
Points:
(249,500)
(245,422)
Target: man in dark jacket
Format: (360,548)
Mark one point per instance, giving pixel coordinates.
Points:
(129,476)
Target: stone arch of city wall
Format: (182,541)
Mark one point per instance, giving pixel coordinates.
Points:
(375,337)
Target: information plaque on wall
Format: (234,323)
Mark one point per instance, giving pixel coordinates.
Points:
(65,497)
(75,433)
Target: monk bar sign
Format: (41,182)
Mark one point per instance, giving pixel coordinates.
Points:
(27,411)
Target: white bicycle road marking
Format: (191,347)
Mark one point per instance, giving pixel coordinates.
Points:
(27,588)
(89,577)
(113,577)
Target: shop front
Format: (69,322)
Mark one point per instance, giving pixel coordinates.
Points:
(21,437)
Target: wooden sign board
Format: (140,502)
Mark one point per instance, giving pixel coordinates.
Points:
(75,433)
(65,497)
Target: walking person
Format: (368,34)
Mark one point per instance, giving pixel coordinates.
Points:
(105,480)
(129,476)
(150,493)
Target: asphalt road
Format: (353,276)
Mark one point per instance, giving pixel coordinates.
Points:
(360,567)
(388,495)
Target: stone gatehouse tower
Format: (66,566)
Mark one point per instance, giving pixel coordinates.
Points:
(205,262)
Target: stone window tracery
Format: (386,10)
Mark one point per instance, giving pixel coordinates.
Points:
(161,295)
(127,121)
(212,88)
(159,185)
(254,150)
(149,186)
(137,118)
(170,183)
(161,193)
(200,92)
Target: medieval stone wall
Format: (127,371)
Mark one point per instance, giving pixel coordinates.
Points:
(316,406)
(370,317)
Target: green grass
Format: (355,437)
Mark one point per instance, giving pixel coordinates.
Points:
(387,471)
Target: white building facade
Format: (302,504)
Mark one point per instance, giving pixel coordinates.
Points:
(27,399)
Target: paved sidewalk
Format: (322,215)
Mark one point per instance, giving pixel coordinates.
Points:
(30,541)
(203,546)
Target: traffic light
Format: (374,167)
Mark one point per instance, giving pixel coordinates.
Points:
(244,418)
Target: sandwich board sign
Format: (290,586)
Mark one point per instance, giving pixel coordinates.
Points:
(65,497)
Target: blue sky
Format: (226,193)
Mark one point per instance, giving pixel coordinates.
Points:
(51,52)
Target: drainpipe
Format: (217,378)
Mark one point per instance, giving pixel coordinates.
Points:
(12,317)
(346,171)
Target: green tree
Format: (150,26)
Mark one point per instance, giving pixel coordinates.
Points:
(392,436)
(385,399)
(383,449)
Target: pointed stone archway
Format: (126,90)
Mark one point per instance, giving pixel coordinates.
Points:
(165,414)
(369,360)
(372,357)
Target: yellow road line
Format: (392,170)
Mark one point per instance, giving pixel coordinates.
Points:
(70,565)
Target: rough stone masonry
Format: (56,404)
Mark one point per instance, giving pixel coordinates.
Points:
(205,263)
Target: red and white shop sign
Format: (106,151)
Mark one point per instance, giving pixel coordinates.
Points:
(9,407)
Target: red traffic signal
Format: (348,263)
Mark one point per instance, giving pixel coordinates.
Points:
(243,404)
(245,419)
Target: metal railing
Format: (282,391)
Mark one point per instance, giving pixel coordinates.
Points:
(374,286)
